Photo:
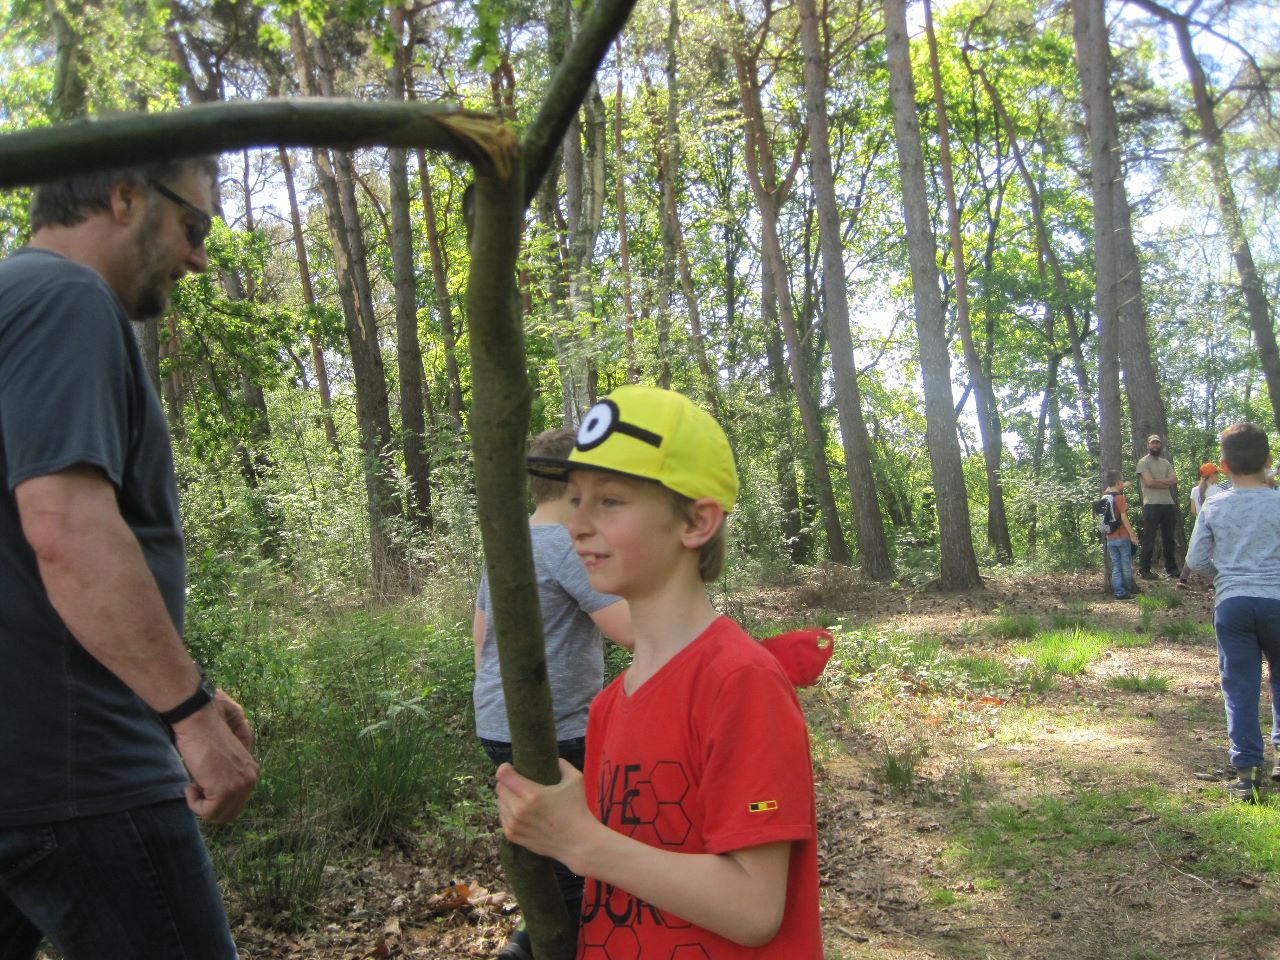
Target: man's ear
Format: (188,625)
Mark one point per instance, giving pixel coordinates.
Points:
(128,201)
(1223,466)
(701,521)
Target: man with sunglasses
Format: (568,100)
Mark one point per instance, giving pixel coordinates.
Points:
(111,738)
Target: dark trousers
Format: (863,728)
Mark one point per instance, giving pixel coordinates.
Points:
(134,885)
(1248,630)
(1164,518)
(575,751)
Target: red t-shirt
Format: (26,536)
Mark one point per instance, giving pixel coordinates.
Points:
(709,755)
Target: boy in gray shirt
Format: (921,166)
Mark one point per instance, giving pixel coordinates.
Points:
(1237,541)
(573,618)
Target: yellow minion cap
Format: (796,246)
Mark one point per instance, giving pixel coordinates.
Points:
(653,434)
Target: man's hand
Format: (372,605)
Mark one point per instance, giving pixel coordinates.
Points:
(214,743)
(233,716)
(546,820)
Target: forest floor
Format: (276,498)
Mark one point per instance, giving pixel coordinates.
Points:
(1071,818)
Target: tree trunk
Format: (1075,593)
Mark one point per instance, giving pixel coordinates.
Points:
(309,301)
(794,533)
(1119,277)
(372,407)
(676,254)
(413,425)
(70,97)
(873,546)
(983,392)
(958,561)
(769,197)
(1093,62)
(1050,257)
(444,306)
(624,240)
(1256,302)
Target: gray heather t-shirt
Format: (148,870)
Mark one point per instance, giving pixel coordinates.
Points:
(1159,469)
(575,649)
(1237,539)
(74,740)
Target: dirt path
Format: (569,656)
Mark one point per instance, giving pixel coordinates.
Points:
(1043,825)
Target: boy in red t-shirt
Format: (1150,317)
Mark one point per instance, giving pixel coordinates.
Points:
(1121,541)
(694,818)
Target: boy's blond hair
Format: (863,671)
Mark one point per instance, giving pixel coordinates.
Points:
(711,555)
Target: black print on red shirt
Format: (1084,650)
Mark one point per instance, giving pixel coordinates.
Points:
(648,806)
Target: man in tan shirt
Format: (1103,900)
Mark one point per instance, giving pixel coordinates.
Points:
(1159,508)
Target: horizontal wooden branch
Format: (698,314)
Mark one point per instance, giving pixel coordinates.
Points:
(48,153)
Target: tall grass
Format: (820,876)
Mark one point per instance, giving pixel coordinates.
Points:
(1069,652)
(364,732)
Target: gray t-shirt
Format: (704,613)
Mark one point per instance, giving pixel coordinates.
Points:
(575,648)
(1237,539)
(1159,469)
(74,740)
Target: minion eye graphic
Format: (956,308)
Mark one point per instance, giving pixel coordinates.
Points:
(603,421)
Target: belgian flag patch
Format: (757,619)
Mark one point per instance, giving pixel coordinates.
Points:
(761,806)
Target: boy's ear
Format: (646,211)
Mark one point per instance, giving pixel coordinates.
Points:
(701,522)
(1223,466)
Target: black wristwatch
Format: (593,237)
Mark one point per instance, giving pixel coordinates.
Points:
(201,698)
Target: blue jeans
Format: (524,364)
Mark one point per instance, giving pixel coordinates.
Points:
(134,885)
(1248,630)
(1121,566)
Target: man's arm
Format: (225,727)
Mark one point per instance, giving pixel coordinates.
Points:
(739,895)
(477,634)
(1150,483)
(99,583)
(614,622)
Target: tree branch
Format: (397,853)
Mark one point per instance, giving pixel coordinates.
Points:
(49,153)
(569,87)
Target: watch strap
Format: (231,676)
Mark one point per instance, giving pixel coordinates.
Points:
(203,696)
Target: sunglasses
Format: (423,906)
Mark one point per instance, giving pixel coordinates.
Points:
(202,222)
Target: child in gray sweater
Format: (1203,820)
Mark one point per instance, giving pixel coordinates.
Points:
(1237,541)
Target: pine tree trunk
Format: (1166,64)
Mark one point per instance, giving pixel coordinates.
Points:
(873,546)
(413,425)
(1050,257)
(1093,59)
(624,238)
(1256,302)
(958,562)
(372,407)
(309,300)
(770,195)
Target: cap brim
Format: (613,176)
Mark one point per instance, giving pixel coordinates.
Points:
(553,468)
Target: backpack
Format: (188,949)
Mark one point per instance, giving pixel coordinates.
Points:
(1104,509)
